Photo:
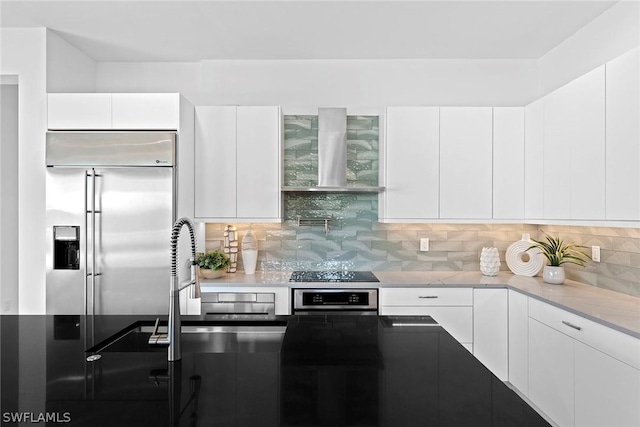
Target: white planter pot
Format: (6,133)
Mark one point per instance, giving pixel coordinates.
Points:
(553,275)
(206,273)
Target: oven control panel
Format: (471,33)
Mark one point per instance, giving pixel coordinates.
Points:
(343,298)
(335,299)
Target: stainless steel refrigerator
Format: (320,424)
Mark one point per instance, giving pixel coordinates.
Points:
(111,200)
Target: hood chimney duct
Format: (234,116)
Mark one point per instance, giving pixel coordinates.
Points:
(332,147)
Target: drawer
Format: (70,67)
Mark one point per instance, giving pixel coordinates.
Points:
(426,296)
(609,341)
(238,297)
(458,321)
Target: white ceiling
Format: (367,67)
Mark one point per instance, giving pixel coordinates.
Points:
(212,29)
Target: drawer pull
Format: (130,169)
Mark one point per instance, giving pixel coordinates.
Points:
(428,296)
(572,325)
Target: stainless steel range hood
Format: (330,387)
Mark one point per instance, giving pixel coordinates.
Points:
(332,147)
(332,155)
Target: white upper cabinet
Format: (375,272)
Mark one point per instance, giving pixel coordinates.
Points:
(623,137)
(152,111)
(117,111)
(508,163)
(574,149)
(82,111)
(258,163)
(466,162)
(237,164)
(533,160)
(412,163)
(215,162)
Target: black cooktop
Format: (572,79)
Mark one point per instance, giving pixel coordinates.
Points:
(333,276)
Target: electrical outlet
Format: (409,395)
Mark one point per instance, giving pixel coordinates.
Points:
(424,244)
(595,253)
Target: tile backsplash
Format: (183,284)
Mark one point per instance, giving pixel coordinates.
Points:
(364,244)
(357,241)
(619,266)
(300,161)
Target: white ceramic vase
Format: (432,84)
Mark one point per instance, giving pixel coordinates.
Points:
(249,251)
(554,275)
(490,261)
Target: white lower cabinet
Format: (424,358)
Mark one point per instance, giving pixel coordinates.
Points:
(519,341)
(551,380)
(578,372)
(582,373)
(451,308)
(490,327)
(607,391)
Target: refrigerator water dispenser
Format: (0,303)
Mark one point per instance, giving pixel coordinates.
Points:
(66,247)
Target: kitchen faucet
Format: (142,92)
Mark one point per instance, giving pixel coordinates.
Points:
(173,335)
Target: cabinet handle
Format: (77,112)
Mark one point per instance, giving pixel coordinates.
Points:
(572,325)
(428,296)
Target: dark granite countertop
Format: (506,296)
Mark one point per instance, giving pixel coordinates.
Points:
(324,371)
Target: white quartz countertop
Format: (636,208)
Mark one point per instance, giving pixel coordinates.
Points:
(613,309)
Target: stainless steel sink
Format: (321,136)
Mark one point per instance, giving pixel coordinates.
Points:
(210,336)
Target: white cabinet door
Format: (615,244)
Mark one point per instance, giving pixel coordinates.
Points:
(490,330)
(574,149)
(508,163)
(146,111)
(237,163)
(412,163)
(623,137)
(258,163)
(458,321)
(215,162)
(429,296)
(607,391)
(551,375)
(519,341)
(79,111)
(466,162)
(534,160)
(557,155)
(117,111)
(452,308)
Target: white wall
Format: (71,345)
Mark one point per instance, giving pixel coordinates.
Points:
(172,77)
(68,69)
(611,34)
(9,199)
(331,82)
(24,54)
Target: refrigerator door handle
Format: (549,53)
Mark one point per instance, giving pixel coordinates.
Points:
(86,240)
(90,193)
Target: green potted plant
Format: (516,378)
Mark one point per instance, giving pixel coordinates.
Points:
(212,265)
(557,252)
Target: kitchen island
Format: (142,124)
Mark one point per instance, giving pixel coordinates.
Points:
(325,370)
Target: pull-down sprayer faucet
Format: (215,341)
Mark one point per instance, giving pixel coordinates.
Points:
(173,335)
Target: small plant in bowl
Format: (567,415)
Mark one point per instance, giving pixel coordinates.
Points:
(212,265)
(557,252)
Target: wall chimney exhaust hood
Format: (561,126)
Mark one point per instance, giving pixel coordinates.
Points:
(332,155)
